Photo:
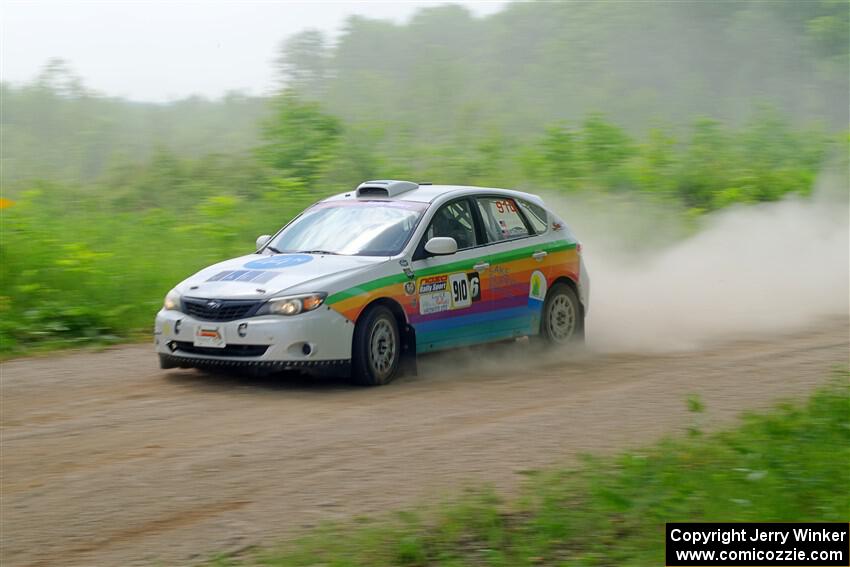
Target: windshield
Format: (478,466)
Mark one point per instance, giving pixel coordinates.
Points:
(361,228)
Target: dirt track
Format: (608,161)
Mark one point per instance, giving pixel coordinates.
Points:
(106,460)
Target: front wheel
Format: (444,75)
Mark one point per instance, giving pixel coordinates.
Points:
(376,350)
(563,320)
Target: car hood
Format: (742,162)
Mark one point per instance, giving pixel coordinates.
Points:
(259,275)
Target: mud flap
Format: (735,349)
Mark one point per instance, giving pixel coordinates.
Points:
(408,358)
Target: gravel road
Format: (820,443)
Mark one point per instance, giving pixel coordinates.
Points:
(107,460)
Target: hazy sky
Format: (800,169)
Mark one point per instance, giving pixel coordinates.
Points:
(161,50)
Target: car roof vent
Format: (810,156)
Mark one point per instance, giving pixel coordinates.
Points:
(384,188)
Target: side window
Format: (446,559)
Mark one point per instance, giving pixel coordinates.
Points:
(536,215)
(454,220)
(501,217)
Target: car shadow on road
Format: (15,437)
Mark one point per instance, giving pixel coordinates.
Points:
(284,381)
(493,358)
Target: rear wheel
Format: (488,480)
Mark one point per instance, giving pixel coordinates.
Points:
(563,319)
(376,350)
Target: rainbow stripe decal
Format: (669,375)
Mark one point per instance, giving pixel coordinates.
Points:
(453,305)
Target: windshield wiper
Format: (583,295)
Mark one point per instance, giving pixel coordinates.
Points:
(273,249)
(318,252)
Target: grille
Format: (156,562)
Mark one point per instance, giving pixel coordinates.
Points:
(229,350)
(220,309)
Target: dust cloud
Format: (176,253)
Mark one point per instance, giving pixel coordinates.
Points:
(658,286)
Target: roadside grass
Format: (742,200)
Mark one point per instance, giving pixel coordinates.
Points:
(75,274)
(788,464)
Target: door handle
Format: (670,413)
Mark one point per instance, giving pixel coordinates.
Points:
(539,255)
(481,266)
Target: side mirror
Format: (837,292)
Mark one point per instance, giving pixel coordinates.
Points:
(441,245)
(262,240)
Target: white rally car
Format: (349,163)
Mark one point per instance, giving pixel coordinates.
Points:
(369,277)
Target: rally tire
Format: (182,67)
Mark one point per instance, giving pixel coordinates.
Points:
(376,348)
(562,323)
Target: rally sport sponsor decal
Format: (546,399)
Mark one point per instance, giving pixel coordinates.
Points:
(448,292)
(433,297)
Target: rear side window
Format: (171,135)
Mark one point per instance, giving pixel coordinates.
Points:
(535,214)
(502,220)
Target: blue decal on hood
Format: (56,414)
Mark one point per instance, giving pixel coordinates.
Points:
(258,276)
(278,262)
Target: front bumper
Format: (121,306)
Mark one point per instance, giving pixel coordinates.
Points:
(317,338)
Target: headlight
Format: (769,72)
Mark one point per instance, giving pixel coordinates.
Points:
(293,304)
(172,301)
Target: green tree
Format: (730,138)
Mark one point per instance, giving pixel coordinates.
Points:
(605,149)
(300,138)
(561,160)
(303,64)
(707,165)
(656,166)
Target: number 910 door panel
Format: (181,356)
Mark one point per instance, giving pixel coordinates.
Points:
(448,311)
(452,305)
